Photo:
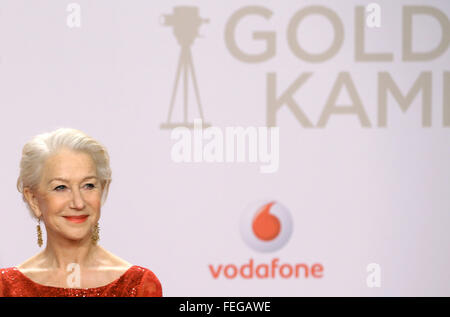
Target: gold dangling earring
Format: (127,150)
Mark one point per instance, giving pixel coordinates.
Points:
(39,233)
(95,234)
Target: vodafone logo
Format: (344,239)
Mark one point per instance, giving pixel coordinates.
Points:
(266,226)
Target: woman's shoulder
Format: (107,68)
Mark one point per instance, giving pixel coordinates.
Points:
(6,272)
(142,278)
(36,261)
(141,270)
(7,269)
(147,281)
(9,274)
(9,277)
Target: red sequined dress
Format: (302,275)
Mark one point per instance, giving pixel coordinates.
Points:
(137,281)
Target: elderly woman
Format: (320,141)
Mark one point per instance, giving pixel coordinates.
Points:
(64,181)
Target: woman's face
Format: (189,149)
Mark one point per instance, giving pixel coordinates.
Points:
(69,196)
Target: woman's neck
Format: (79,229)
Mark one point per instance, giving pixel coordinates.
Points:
(59,253)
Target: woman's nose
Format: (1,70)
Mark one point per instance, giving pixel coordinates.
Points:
(77,201)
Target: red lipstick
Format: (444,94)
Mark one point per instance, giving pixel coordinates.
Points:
(76,219)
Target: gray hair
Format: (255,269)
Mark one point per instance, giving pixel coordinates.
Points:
(36,151)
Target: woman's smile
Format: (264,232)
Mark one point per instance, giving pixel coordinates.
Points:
(76,219)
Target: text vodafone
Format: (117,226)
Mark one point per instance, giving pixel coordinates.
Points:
(272,270)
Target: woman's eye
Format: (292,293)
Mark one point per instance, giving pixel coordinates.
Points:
(61,187)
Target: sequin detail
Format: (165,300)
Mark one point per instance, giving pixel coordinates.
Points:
(137,281)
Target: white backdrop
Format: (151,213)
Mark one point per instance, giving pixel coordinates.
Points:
(357,195)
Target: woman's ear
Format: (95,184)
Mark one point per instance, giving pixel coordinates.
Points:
(31,197)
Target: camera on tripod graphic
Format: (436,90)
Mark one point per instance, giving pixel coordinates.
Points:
(186,22)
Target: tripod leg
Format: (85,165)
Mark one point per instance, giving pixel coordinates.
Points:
(177,77)
(186,81)
(194,80)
